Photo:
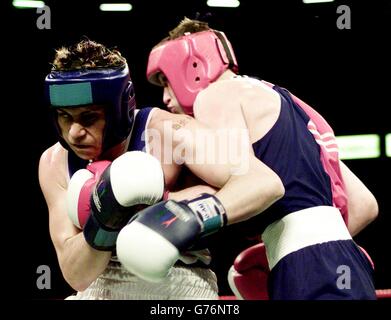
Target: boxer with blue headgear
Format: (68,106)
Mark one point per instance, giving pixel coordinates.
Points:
(109,87)
(96,177)
(99,174)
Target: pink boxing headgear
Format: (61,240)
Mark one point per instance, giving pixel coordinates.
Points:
(190,63)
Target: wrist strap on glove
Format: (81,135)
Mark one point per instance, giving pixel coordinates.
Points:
(99,237)
(210,211)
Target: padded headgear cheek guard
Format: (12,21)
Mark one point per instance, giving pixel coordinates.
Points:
(190,63)
(110,87)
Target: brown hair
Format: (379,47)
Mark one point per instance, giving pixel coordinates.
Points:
(187,25)
(86,54)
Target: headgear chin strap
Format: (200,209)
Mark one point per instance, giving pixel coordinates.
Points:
(110,87)
(190,63)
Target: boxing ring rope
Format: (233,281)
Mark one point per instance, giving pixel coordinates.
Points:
(383,293)
(380,294)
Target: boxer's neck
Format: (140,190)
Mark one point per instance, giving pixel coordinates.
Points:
(115,151)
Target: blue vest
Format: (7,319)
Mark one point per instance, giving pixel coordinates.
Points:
(291,151)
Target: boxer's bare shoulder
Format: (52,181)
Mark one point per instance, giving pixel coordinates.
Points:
(240,102)
(53,166)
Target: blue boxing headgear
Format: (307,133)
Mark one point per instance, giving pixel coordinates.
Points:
(110,87)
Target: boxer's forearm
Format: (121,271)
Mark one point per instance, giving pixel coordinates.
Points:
(250,193)
(80,263)
(191,192)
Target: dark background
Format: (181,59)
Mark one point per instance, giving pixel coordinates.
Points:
(344,74)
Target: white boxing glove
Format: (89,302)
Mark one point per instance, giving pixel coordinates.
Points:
(133,179)
(137,178)
(113,192)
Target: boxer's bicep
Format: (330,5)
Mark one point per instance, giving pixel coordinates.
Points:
(201,149)
(212,154)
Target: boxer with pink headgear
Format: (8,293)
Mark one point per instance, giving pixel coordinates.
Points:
(190,63)
(324,203)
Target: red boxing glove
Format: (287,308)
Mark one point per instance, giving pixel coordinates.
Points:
(79,191)
(248,276)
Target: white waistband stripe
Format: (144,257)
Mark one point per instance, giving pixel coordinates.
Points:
(301,229)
